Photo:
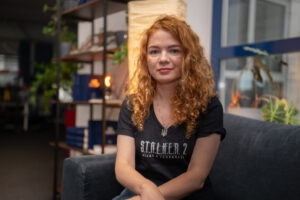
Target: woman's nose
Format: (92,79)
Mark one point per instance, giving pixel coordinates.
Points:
(164,57)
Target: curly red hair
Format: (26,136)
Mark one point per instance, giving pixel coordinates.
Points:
(194,89)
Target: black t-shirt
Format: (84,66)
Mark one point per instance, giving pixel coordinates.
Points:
(161,158)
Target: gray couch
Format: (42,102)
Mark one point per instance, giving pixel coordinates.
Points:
(257,161)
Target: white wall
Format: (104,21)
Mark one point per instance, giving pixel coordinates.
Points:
(199,16)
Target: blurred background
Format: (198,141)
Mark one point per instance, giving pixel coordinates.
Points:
(253,46)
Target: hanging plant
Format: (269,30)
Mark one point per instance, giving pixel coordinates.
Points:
(51,28)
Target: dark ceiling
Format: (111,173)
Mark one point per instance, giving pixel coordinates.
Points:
(22,20)
(24,11)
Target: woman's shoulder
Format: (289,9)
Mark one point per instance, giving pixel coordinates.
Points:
(213,101)
(213,104)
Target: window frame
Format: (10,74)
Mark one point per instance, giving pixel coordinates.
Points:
(218,52)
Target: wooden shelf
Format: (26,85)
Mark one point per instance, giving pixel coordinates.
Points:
(109,149)
(86,56)
(109,103)
(93,9)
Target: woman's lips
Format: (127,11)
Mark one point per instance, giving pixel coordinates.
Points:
(164,70)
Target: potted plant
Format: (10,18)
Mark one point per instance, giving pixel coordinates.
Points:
(68,38)
(45,83)
(278,111)
(119,56)
(45,77)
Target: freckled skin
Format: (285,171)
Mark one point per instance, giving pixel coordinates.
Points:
(164,57)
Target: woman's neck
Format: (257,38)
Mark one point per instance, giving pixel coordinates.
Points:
(164,92)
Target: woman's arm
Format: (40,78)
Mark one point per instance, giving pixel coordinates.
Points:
(126,173)
(193,179)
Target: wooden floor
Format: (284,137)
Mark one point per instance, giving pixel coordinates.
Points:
(26,164)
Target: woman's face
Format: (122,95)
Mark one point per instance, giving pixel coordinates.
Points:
(164,57)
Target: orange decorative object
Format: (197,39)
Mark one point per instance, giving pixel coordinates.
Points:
(235,97)
(94,83)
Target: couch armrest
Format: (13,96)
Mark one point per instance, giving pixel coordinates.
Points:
(89,178)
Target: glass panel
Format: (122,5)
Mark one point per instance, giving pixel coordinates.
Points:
(269,21)
(237,75)
(237,22)
(246,22)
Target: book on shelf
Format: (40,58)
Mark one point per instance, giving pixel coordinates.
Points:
(77,137)
(95,133)
(75,143)
(75,131)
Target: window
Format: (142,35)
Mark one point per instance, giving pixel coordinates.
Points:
(267,25)
(8,70)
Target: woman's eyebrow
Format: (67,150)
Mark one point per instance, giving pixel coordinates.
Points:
(175,45)
(153,46)
(171,46)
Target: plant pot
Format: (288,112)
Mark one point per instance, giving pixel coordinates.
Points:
(68,4)
(65,95)
(65,48)
(253,113)
(121,37)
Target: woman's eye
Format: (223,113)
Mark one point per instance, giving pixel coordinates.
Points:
(174,51)
(153,52)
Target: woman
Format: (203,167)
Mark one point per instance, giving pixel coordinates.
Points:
(171,123)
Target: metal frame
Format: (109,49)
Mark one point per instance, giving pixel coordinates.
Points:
(57,133)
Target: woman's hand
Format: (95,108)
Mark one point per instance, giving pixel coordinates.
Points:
(128,176)
(134,198)
(150,191)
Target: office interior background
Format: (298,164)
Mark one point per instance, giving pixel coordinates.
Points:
(236,35)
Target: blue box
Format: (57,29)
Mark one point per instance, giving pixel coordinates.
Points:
(95,133)
(81,89)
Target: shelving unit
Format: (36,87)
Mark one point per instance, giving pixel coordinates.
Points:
(89,12)
(109,103)
(63,145)
(85,57)
(94,9)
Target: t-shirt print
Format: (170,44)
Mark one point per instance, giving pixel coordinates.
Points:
(166,150)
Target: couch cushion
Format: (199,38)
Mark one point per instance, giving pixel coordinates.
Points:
(257,161)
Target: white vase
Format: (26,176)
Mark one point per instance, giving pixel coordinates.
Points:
(65,95)
(65,48)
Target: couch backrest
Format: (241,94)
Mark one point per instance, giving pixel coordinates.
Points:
(257,160)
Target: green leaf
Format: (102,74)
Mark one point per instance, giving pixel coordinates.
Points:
(292,113)
(256,74)
(274,111)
